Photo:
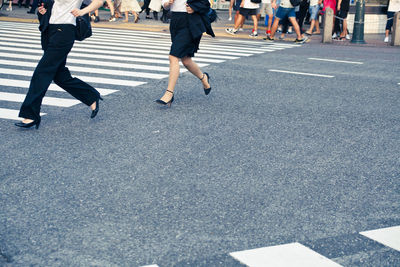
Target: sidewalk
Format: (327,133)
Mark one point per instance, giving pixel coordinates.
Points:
(20,15)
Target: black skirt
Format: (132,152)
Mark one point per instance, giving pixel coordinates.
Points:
(183,44)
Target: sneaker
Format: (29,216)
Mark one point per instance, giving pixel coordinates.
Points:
(290,31)
(253,34)
(230,18)
(9,9)
(269,38)
(268,32)
(112,18)
(240,29)
(301,41)
(334,35)
(231,31)
(386,40)
(348,36)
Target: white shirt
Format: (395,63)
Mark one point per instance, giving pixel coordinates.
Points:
(286,4)
(250,5)
(61,12)
(177,6)
(313,2)
(394,5)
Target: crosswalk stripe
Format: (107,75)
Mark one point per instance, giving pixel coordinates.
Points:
(95,63)
(106,56)
(99,80)
(209,48)
(153,265)
(52,87)
(389,236)
(145,52)
(91,70)
(49,101)
(12,114)
(293,254)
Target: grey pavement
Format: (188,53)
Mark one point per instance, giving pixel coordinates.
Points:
(268,158)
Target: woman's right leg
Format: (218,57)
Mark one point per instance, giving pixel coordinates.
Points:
(173,78)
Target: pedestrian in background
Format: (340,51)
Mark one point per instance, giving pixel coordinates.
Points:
(314,10)
(58,27)
(130,6)
(394,6)
(189,21)
(343,7)
(286,10)
(247,8)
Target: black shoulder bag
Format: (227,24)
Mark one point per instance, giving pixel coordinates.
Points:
(83,27)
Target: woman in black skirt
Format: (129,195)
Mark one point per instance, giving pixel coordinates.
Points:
(188,23)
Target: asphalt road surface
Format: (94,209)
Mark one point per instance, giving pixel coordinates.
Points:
(292,160)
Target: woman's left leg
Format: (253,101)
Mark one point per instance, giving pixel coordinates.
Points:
(195,70)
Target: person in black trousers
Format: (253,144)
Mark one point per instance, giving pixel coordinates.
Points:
(189,21)
(58,36)
(146,8)
(27,3)
(33,7)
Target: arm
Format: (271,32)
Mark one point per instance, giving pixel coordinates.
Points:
(338,4)
(273,4)
(167,4)
(93,6)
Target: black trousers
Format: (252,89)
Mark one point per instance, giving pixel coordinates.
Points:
(51,67)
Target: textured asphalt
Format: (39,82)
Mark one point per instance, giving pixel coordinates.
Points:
(266,159)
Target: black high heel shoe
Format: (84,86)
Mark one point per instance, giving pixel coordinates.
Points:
(28,125)
(206,90)
(96,110)
(169,103)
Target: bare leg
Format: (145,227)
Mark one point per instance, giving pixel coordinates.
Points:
(195,70)
(255,22)
(296,27)
(173,78)
(239,22)
(270,17)
(111,6)
(310,30)
(274,27)
(343,34)
(126,16)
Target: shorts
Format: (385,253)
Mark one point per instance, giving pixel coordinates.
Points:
(236,6)
(265,8)
(284,12)
(313,10)
(247,11)
(342,13)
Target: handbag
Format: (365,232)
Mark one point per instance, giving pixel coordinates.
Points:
(295,2)
(83,26)
(212,15)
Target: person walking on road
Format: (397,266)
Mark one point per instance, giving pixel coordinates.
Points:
(247,8)
(57,25)
(286,10)
(189,21)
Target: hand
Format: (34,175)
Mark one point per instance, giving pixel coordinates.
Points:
(273,5)
(42,10)
(170,2)
(77,12)
(189,10)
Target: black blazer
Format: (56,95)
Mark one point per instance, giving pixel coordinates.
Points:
(198,21)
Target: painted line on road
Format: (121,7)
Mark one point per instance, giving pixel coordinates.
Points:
(303,73)
(12,114)
(91,70)
(292,254)
(335,60)
(154,265)
(52,87)
(389,236)
(49,101)
(84,78)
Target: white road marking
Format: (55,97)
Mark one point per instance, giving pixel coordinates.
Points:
(389,236)
(84,78)
(303,73)
(12,114)
(335,60)
(49,101)
(91,70)
(293,254)
(52,87)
